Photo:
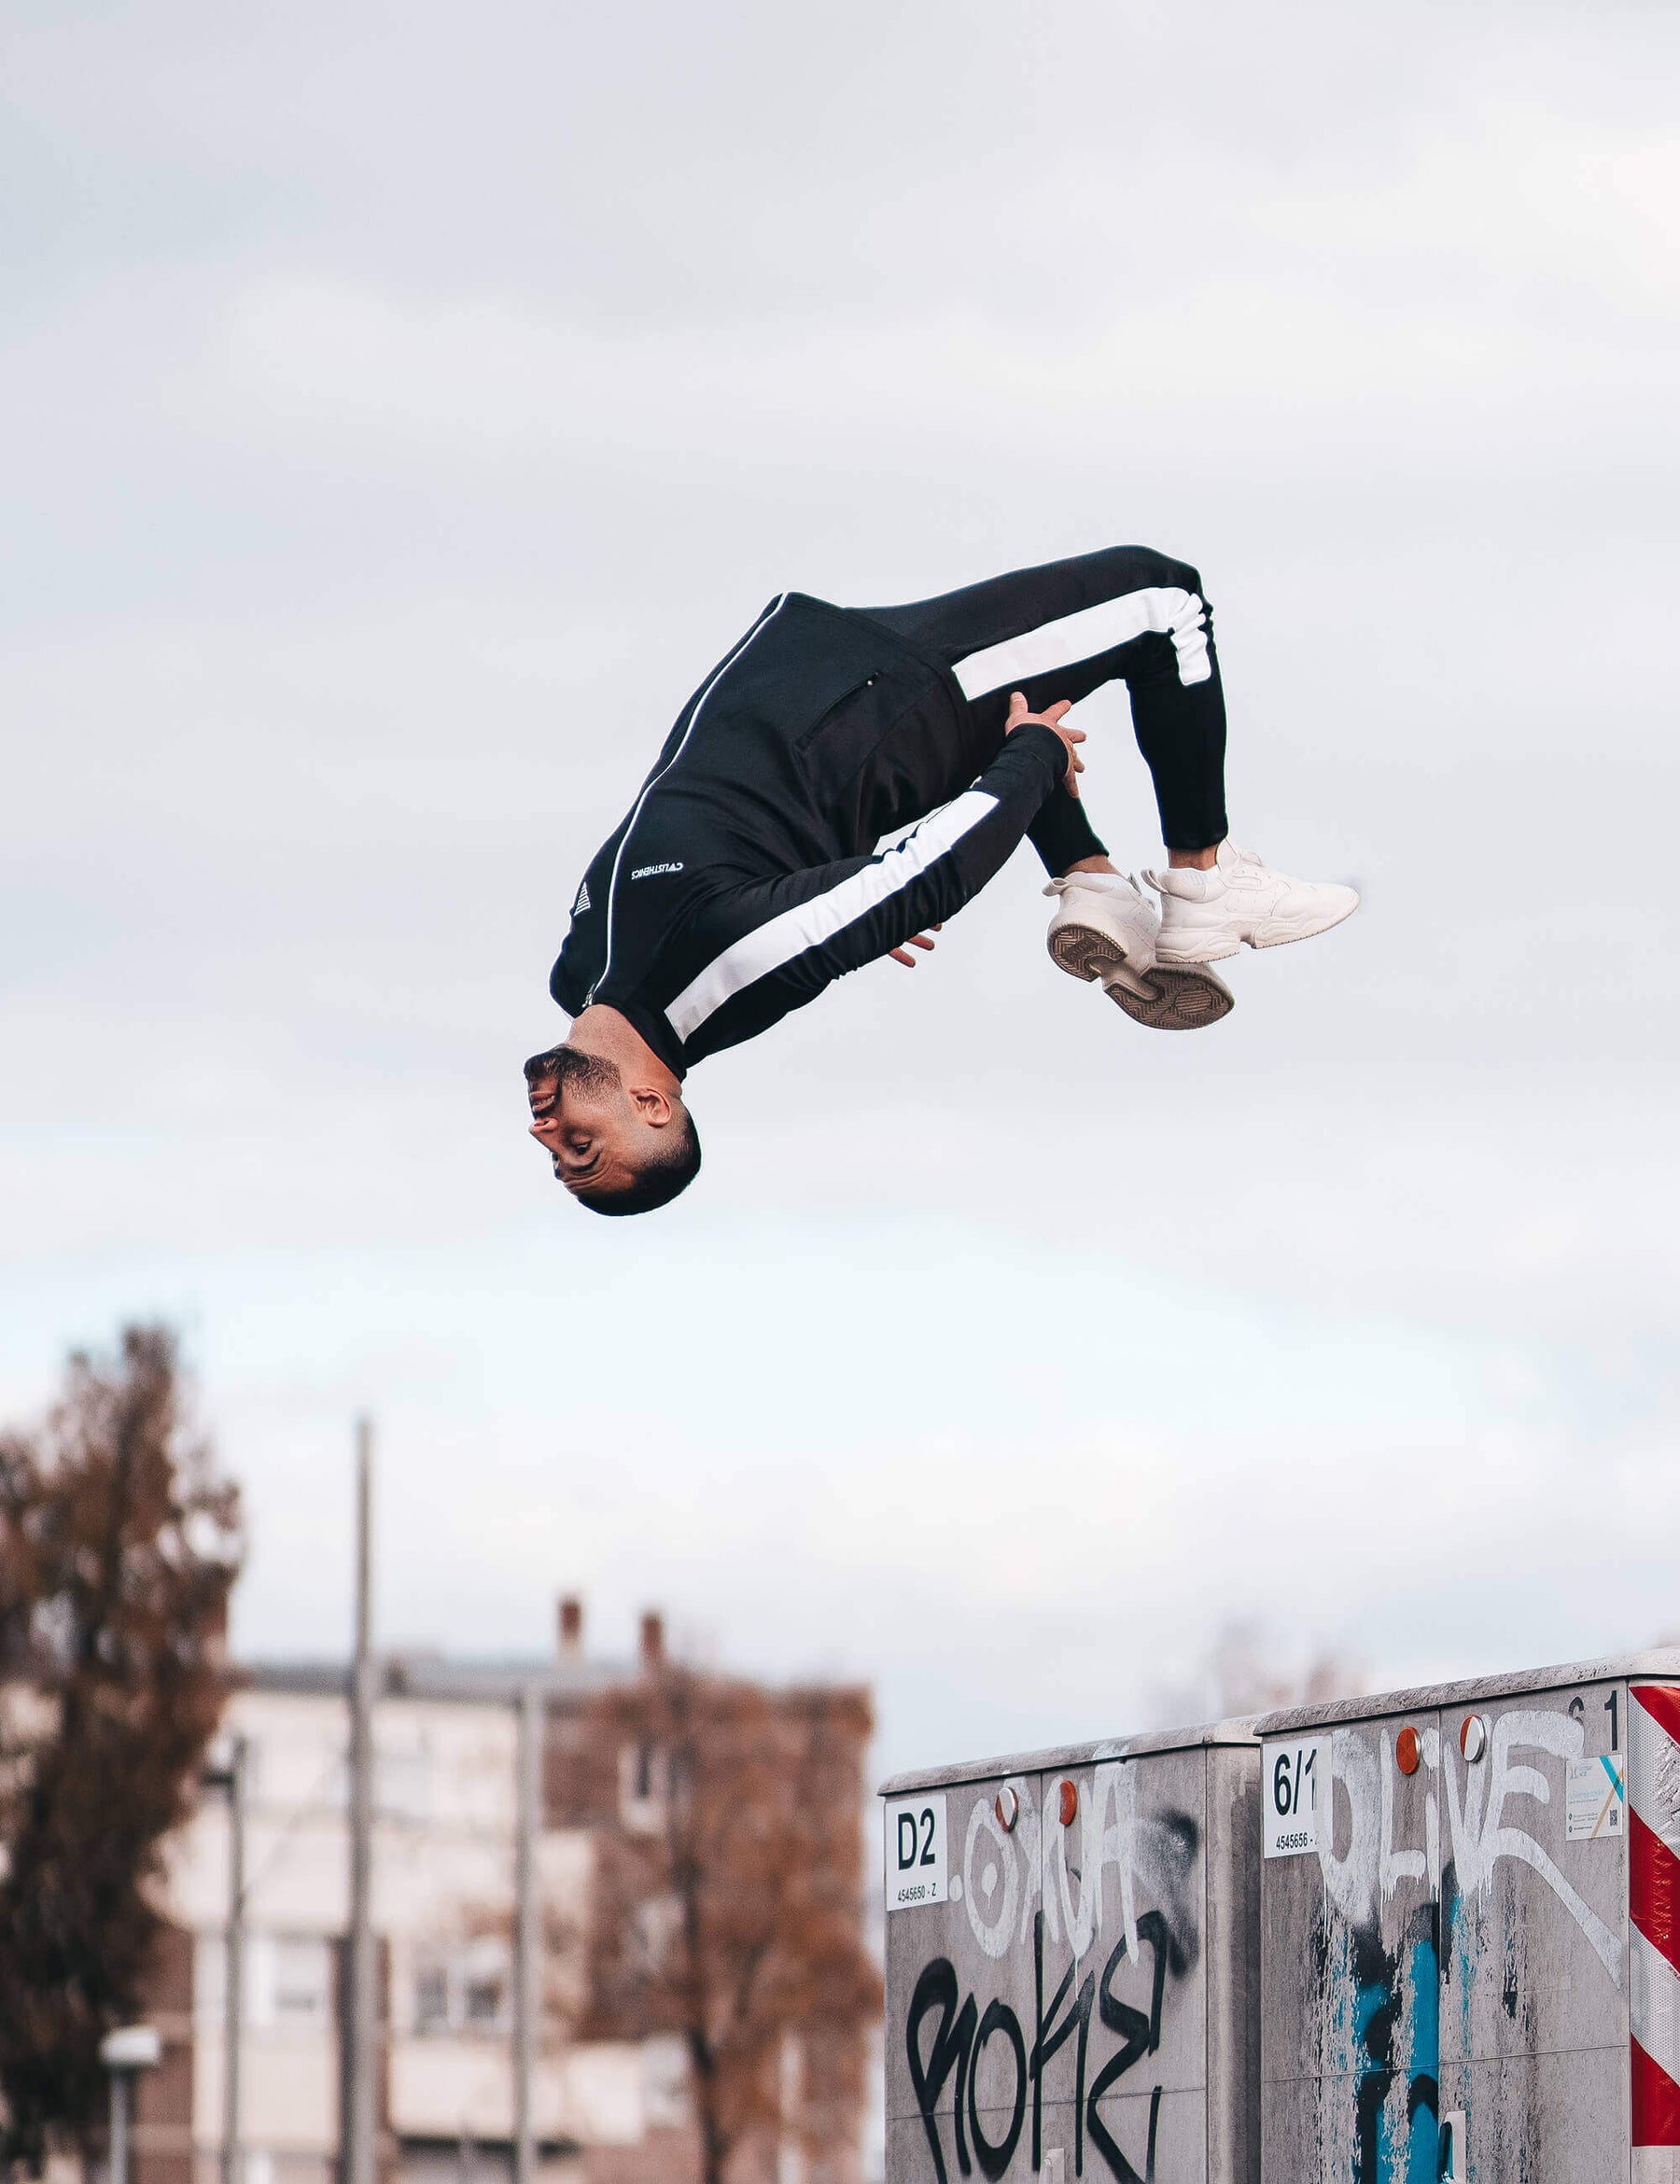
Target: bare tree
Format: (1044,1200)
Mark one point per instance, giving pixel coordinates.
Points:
(727,1904)
(1251,1669)
(1253,1672)
(118,1548)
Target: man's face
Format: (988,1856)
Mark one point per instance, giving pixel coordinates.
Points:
(586,1123)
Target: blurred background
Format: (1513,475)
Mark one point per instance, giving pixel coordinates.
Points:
(403,406)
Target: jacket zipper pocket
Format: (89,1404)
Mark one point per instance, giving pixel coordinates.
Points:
(803,743)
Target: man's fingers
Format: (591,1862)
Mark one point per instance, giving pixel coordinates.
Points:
(899,956)
(920,940)
(1052,715)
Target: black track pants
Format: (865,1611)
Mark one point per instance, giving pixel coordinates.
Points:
(1126,614)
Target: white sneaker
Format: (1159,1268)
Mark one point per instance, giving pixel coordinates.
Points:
(1105,929)
(1208,914)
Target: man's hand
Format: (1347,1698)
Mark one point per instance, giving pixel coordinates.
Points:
(916,940)
(1051,718)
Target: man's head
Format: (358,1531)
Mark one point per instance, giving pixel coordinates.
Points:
(619,1145)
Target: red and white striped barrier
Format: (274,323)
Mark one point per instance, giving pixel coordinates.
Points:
(1654,1929)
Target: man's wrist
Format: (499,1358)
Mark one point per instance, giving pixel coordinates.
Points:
(1045,738)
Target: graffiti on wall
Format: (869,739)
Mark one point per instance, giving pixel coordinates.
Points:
(1061,1894)
(1482,1830)
(1381,1998)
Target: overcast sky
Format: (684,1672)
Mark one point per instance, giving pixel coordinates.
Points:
(402,407)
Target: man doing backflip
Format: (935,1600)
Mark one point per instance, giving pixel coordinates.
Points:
(748,873)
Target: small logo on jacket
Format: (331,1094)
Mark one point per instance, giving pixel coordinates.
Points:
(583,902)
(647,871)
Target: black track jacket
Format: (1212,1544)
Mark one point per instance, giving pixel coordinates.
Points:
(745,876)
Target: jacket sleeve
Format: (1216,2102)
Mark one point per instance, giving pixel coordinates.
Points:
(781,941)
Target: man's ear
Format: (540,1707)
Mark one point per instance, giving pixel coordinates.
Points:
(652,1106)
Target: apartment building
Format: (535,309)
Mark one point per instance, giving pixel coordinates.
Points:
(605,2109)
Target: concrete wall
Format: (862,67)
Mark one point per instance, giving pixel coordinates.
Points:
(1451,1944)
(1081,2000)
(1288,1953)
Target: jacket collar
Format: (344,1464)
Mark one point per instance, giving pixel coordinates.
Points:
(655,1026)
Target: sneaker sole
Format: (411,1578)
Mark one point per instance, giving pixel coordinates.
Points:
(1263,936)
(1176,1001)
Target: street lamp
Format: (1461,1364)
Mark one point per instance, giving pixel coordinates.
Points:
(126,2052)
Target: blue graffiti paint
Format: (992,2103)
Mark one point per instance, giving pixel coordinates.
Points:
(1375,1995)
(1381,2033)
(1423,2122)
(1396,2007)
(1355,1995)
(1459,1953)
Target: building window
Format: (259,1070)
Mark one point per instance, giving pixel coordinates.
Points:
(666,2081)
(431,1999)
(641,1787)
(288,1979)
(302,1979)
(467,1989)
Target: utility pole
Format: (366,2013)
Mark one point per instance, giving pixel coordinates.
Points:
(527,2000)
(528,1942)
(126,2052)
(123,2083)
(233,1998)
(360,2046)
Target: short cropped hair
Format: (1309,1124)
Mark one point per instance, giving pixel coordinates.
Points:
(663,1176)
(545,1064)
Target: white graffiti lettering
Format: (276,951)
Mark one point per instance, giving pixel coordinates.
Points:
(1480,1826)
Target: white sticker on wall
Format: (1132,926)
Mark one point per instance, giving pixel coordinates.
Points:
(1295,1789)
(1596,1798)
(915,1851)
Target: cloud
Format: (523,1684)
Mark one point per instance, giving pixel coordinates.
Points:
(401,421)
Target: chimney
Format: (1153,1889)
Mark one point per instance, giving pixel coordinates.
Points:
(653,1644)
(571,1627)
